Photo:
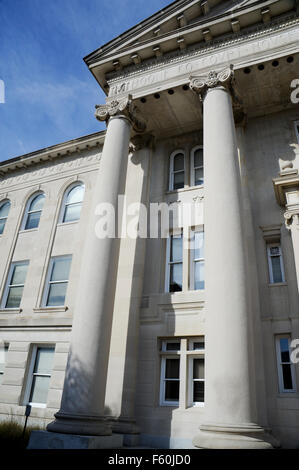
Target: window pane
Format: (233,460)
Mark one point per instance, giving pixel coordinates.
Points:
(44,360)
(173,346)
(19,274)
(176,278)
(2,225)
(176,248)
(4,209)
(172,369)
(38,203)
(287,377)
(61,269)
(178,162)
(198,158)
(199,245)
(284,349)
(76,194)
(199,275)
(199,392)
(198,368)
(178,180)
(198,345)
(172,390)
(56,296)
(72,212)
(198,177)
(3,352)
(40,388)
(276,269)
(32,220)
(14,297)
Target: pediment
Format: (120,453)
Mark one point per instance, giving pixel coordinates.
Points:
(180,25)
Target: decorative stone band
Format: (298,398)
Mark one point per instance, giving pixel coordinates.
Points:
(122,107)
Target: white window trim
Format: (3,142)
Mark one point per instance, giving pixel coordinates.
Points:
(8,284)
(171,170)
(186,357)
(2,203)
(279,365)
(5,348)
(296,124)
(26,212)
(167,355)
(192,169)
(170,263)
(48,282)
(195,354)
(271,279)
(64,199)
(192,259)
(30,375)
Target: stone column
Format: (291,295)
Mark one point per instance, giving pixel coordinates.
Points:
(82,405)
(229,402)
(292,223)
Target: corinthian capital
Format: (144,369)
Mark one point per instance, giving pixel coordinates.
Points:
(121,107)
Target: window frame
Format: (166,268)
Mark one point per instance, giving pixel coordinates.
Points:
(27,212)
(172,172)
(192,167)
(280,363)
(30,374)
(195,355)
(6,348)
(270,269)
(8,284)
(2,203)
(192,259)
(171,263)
(296,125)
(48,282)
(64,204)
(164,355)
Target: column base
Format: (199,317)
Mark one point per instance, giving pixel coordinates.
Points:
(226,436)
(79,424)
(123,425)
(49,440)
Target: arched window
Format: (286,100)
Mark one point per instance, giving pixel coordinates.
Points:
(72,203)
(197,175)
(4,210)
(177,170)
(33,211)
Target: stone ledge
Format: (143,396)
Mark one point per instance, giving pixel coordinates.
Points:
(51,440)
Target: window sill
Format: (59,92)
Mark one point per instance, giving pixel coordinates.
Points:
(182,190)
(28,230)
(277,284)
(50,309)
(11,310)
(63,224)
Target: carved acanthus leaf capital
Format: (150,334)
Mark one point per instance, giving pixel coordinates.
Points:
(289,217)
(214,79)
(121,107)
(138,142)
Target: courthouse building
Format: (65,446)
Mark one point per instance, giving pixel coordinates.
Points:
(174,341)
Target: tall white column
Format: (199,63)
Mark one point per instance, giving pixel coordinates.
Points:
(82,406)
(292,223)
(229,402)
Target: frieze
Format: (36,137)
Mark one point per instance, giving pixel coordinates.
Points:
(49,170)
(173,68)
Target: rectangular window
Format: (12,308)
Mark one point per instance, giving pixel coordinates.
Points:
(197,262)
(275,262)
(57,281)
(179,361)
(39,376)
(286,371)
(3,354)
(297,130)
(174,277)
(15,284)
(170,373)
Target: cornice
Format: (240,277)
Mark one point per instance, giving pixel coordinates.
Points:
(53,152)
(197,50)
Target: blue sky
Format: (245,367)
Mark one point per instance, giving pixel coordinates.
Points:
(49,92)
